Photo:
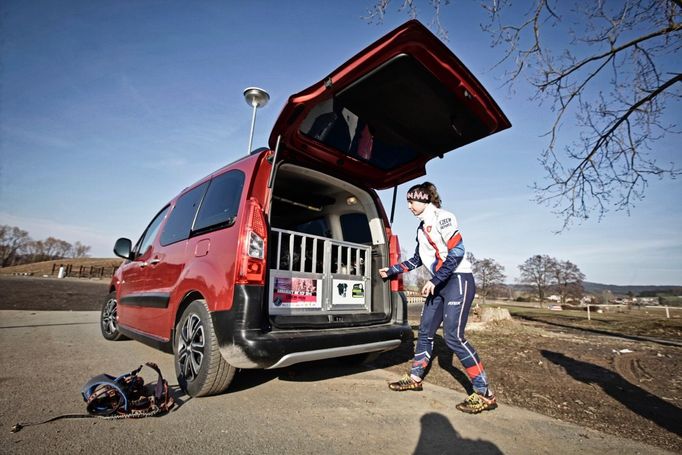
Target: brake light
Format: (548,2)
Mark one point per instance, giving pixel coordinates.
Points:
(394,258)
(254,240)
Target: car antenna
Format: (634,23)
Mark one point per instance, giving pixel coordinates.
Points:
(255,97)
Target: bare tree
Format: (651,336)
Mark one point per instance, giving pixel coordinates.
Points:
(568,279)
(12,243)
(488,273)
(613,77)
(16,247)
(537,271)
(79,250)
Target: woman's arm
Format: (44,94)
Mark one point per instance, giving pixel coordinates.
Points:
(405,266)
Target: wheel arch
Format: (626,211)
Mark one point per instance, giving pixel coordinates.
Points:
(188,298)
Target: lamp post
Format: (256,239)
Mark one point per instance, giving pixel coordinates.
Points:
(255,97)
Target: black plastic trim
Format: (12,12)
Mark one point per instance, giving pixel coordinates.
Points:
(150,300)
(243,328)
(150,340)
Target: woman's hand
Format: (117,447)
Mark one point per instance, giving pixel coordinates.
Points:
(383,273)
(428,288)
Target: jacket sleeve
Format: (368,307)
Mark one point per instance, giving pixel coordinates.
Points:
(449,232)
(405,266)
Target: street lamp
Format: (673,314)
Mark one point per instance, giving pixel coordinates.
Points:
(255,97)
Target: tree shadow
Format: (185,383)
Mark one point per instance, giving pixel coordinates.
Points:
(438,436)
(638,400)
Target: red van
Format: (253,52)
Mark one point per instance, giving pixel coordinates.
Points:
(273,259)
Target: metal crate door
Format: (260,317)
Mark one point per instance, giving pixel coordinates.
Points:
(349,280)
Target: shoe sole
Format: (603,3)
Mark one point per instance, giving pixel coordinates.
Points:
(411,389)
(469,411)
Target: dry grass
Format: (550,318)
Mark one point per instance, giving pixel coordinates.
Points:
(45,268)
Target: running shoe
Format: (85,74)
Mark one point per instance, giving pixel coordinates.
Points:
(405,383)
(475,403)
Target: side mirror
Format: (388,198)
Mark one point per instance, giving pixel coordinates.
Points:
(123,247)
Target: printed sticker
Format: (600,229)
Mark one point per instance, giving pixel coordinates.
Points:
(295,293)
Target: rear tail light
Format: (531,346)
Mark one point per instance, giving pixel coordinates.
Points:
(254,240)
(394,258)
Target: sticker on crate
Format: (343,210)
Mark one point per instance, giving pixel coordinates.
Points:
(348,292)
(289,292)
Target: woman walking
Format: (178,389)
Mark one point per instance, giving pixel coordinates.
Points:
(449,294)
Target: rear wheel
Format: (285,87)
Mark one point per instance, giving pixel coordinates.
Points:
(199,366)
(109,319)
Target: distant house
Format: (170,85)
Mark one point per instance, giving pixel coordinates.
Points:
(554,298)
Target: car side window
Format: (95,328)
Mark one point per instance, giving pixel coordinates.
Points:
(221,203)
(150,233)
(180,220)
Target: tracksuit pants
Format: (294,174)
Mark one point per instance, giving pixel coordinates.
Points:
(450,304)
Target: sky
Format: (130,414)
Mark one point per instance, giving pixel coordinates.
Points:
(109,108)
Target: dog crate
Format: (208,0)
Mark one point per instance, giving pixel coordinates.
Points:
(310,273)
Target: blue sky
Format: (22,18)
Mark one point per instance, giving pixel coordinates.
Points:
(109,108)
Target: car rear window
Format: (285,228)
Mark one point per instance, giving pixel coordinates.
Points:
(338,127)
(180,221)
(221,203)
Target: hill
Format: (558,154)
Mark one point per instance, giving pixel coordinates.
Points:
(51,267)
(597,288)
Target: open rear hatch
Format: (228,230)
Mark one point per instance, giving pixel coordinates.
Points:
(372,124)
(382,115)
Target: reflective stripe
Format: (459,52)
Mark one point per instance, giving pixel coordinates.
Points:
(455,240)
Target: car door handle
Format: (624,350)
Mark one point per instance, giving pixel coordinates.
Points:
(154,261)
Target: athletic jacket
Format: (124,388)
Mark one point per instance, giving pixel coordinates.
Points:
(439,246)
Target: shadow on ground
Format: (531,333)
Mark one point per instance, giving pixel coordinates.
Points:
(634,398)
(439,436)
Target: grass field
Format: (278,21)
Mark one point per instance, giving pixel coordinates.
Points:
(634,321)
(47,267)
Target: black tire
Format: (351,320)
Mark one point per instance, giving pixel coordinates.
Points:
(108,319)
(199,366)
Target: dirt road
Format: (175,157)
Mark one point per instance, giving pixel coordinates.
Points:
(314,408)
(622,387)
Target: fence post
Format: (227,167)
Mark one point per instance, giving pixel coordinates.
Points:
(667,312)
(588,312)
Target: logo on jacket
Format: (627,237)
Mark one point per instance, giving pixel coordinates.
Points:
(428,229)
(445,223)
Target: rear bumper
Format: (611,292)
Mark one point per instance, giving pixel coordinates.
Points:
(245,342)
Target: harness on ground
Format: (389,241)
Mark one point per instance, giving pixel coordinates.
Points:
(107,395)
(122,397)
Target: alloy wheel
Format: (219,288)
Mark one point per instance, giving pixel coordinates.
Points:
(191,345)
(109,325)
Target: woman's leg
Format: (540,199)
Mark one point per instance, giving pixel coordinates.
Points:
(458,296)
(431,319)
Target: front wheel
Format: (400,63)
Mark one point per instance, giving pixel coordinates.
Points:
(109,319)
(199,366)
